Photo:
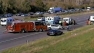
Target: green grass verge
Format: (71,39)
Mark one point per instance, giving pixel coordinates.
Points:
(80,40)
(29,18)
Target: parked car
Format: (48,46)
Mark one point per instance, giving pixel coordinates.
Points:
(19,14)
(31,13)
(54,32)
(39,13)
(8,15)
(54,26)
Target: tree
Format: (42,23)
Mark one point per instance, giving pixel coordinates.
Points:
(91,3)
(22,5)
(0,6)
(11,8)
(5,5)
(41,6)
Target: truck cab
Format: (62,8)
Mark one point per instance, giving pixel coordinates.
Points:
(90,20)
(69,21)
(5,21)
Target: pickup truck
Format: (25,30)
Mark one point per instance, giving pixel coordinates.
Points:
(69,21)
(90,20)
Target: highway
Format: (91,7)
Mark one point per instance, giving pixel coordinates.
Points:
(8,40)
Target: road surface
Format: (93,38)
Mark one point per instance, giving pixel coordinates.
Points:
(8,40)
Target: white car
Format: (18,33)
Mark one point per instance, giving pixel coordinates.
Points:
(54,26)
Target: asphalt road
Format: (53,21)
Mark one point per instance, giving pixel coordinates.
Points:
(8,40)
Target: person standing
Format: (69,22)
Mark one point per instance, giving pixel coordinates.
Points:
(88,22)
(64,23)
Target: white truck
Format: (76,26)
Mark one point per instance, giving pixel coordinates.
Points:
(91,20)
(69,21)
(5,21)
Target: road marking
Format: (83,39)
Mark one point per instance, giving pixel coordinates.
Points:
(19,37)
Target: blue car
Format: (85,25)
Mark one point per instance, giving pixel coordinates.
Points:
(54,32)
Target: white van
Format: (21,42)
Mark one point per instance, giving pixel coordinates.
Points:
(69,21)
(5,21)
(91,18)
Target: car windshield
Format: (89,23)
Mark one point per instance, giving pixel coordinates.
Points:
(3,20)
(65,20)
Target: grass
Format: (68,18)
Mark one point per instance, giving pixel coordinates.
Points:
(77,41)
(80,44)
(29,19)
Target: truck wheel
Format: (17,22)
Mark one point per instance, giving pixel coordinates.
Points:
(49,28)
(23,31)
(43,30)
(40,30)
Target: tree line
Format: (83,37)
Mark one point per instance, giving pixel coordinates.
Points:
(16,6)
(24,6)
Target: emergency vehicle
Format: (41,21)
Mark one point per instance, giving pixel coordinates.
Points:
(22,26)
(51,20)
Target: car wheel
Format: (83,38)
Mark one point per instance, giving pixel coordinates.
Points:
(40,30)
(61,33)
(23,31)
(49,28)
(47,34)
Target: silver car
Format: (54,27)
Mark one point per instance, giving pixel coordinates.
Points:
(54,26)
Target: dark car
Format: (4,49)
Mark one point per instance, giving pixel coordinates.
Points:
(54,32)
(8,15)
(31,13)
(19,14)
